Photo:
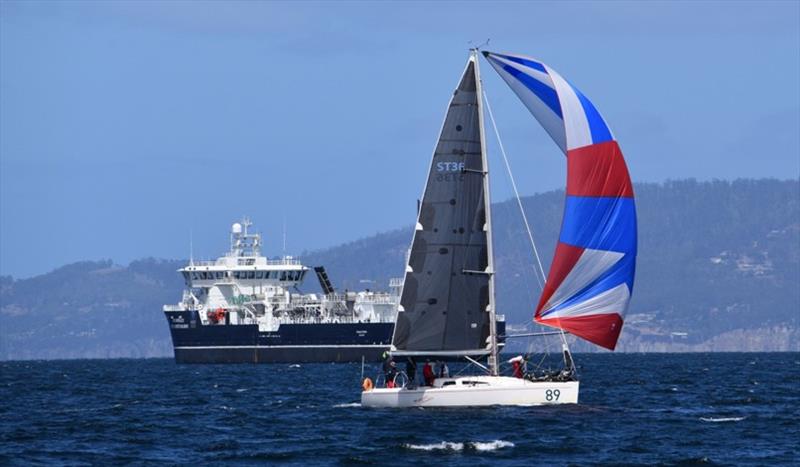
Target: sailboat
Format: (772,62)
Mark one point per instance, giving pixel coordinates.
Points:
(447,309)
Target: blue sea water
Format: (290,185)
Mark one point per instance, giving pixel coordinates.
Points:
(634,409)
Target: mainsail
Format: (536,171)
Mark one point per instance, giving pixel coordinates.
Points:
(591,277)
(447,289)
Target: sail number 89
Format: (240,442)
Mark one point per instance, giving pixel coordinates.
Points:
(552,395)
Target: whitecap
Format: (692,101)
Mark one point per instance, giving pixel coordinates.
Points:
(351,404)
(241,390)
(491,445)
(481,446)
(722,419)
(443,446)
(294,365)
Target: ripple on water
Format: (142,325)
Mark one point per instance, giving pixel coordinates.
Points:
(155,411)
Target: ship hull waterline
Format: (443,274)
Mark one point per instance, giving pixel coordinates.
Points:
(275,354)
(480,391)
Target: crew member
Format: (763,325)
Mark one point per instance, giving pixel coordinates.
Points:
(427,373)
(411,371)
(389,370)
(391,374)
(444,372)
(516,365)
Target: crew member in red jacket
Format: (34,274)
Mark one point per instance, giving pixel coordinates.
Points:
(427,373)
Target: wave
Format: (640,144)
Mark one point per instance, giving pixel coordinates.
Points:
(443,446)
(722,419)
(351,404)
(481,446)
(492,445)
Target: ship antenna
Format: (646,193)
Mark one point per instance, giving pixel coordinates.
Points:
(191,247)
(284,235)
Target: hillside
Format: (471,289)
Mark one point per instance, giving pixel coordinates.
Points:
(718,269)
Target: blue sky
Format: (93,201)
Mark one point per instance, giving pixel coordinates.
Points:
(124,126)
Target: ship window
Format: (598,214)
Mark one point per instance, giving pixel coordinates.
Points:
(221,275)
(448,383)
(251,275)
(259,274)
(475,383)
(185,276)
(236,274)
(283,275)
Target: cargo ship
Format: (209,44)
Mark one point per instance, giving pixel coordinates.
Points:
(246,308)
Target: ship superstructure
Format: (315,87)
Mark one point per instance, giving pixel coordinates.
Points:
(244,307)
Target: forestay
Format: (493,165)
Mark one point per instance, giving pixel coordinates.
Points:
(591,277)
(446,294)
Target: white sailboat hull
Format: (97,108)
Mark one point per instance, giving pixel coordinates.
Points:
(474,391)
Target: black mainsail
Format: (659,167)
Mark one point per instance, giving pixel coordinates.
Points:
(447,300)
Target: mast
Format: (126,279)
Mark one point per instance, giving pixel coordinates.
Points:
(493,350)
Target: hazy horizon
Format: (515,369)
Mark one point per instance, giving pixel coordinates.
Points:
(301,252)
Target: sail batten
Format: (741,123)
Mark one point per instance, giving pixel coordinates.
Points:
(591,277)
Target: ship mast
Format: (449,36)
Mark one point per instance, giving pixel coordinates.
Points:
(493,348)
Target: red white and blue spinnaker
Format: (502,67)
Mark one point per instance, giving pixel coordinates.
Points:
(591,277)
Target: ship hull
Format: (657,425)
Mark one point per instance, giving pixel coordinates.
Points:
(274,354)
(194,342)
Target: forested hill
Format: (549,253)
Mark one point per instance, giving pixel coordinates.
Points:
(718,269)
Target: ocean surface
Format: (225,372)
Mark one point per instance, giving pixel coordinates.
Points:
(634,409)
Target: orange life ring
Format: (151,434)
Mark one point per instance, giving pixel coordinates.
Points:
(367,385)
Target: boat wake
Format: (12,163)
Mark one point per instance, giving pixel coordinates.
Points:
(480,446)
(722,419)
